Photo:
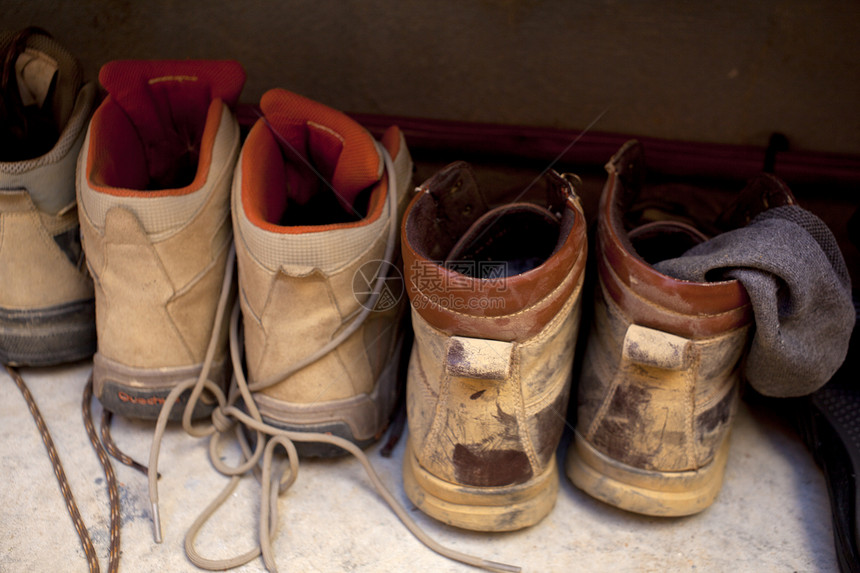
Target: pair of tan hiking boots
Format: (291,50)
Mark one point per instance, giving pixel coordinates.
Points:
(310,200)
(314,206)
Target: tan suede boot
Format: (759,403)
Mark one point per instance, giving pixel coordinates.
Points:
(316,214)
(659,385)
(47,312)
(154,189)
(495,297)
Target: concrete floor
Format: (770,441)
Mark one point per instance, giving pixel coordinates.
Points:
(772,513)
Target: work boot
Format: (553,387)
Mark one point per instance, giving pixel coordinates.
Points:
(495,289)
(316,207)
(154,196)
(316,204)
(660,379)
(47,311)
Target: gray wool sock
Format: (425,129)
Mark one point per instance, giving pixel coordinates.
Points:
(791,267)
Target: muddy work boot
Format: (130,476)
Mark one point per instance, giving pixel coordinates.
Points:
(495,290)
(659,385)
(154,196)
(316,209)
(47,311)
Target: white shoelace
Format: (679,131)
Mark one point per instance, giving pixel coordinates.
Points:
(226,416)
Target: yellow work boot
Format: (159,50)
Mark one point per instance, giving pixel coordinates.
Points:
(659,385)
(47,311)
(154,198)
(495,288)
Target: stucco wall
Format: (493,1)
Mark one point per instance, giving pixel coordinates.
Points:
(685,70)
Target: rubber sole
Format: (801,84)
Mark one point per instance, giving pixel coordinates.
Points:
(140,392)
(316,449)
(505,508)
(643,491)
(829,423)
(360,419)
(48,336)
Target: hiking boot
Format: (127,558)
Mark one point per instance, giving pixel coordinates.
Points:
(47,312)
(316,217)
(659,385)
(495,319)
(155,176)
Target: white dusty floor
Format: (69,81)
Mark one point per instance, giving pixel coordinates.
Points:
(772,513)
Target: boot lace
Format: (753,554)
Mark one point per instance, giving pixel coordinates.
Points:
(275,477)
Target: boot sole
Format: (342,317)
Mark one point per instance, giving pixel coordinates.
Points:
(644,491)
(506,508)
(141,392)
(49,336)
(313,449)
(829,425)
(361,419)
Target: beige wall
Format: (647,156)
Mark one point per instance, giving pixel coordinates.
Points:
(669,69)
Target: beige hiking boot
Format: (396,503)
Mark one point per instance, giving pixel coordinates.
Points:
(316,204)
(659,386)
(154,190)
(495,294)
(316,215)
(47,312)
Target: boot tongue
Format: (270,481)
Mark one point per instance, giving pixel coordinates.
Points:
(35,73)
(660,240)
(168,102)
(506,241)
(761,193)
(35,108)
(325,152)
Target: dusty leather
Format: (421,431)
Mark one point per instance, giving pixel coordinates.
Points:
(443,209)
(291,312)
(156,293)
(652,399)
(488,388)
(659,385)
(37,203)
(36,273)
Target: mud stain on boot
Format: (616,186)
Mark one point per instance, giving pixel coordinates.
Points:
(490,468)
(550,425)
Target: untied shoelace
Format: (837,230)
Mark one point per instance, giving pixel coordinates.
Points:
(274,481)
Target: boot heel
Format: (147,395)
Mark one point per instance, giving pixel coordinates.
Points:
(506,508)
(643,491)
